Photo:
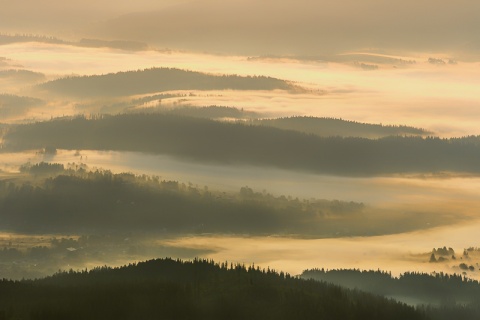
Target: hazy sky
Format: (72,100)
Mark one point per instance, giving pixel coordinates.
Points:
(66,18)
(258,27)
(307,26)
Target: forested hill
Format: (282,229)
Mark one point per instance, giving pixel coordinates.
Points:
(339,127)
(420,286)
(168,289)
(454,296)
(128,203)
(324,127)
(235,143)
(157,80)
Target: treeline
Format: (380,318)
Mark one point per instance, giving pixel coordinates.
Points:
(28,37)
(157,80)
(439,296)
(210,112)
(83,201)
(339,127)
(438,288)
(234,143)
(200,289)
(326,127)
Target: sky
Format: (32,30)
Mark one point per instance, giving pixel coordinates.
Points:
(304,27)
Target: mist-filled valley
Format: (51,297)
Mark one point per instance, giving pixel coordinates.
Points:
(239,159)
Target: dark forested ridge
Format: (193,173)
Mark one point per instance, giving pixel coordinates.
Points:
(124,202)
(447,296)
(435,288)
(200,289)
(339,127)
(211,112)
(157,80)
(233,143)
(325,127)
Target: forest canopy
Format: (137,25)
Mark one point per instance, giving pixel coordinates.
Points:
(157,80)
(237,143)
(339,127)
(198,289)
(125,202)
(51,199)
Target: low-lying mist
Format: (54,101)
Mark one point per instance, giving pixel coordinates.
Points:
(397,253)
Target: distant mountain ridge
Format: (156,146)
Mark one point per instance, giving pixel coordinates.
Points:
(339,127)
(157,80)
(441,296)
(435,288)
(236,143)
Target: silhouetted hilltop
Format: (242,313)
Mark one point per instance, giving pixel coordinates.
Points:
(233,143)
(157,80)
(339,127)
(201,289)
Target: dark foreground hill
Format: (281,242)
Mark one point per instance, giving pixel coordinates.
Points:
(168,289)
